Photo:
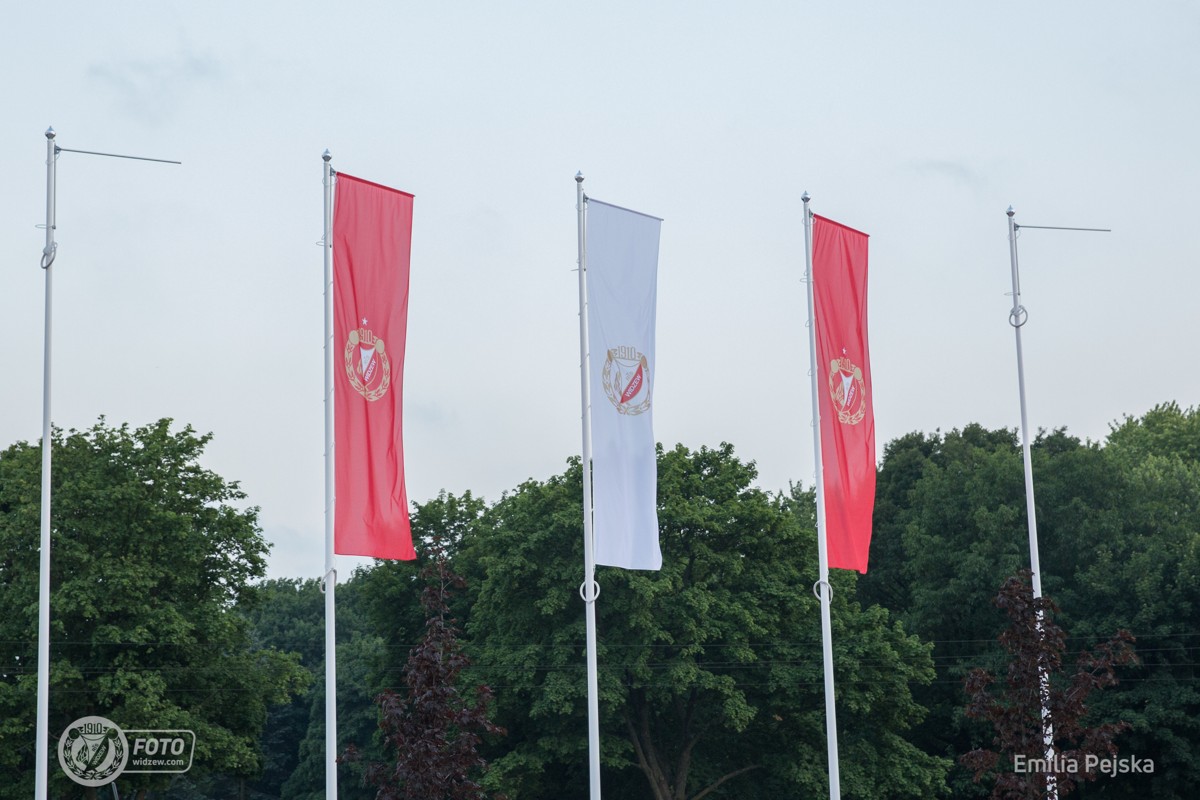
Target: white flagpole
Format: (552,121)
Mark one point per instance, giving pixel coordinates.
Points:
(329,582)
(1017,318)
(823,589)
(43,678)
(42,746)
(589,590)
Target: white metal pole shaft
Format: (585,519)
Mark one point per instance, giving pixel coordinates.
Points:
(1017,318)
(43,690)
(330,579)
(589,590)
(823,586)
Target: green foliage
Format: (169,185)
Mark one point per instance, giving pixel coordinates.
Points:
(361,654)
(710,669)
(287,615)
(1119,539)
(432,726)
(379,618)
(149,557)
(391,590)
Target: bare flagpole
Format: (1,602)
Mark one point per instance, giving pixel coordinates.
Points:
(589,590)
(823,589)
(42,747)
(329,582)
(1017,318)
(43,679)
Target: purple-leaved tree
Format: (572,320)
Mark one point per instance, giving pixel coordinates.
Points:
(1035,644)
(432,728)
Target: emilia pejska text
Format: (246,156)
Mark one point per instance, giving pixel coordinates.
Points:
(1091,763)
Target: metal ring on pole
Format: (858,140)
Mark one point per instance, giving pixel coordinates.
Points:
(1018,316)
(816,592)
(325,579)
(583,593)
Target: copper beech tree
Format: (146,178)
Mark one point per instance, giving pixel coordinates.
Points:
(1035,646)
(432,728)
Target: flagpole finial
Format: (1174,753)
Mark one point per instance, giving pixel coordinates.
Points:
(50,133)
(1010,211)
(579,177)
(805,196)
(326,155)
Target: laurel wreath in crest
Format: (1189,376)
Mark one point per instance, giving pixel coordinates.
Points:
(360,387)
(88,771)
(846,416)
(614,392)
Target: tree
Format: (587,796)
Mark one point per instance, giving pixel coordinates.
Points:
(1147,579)
(391,591)
(710,669)
(287,615)
(952,526)
(150,556)
(1035,645)
(379,619)
(430,729)
(1119,532)
(361,652)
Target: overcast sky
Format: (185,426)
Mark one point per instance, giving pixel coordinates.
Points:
(195,291)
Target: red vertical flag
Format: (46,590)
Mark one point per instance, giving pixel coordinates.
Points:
(843,369)
(372,238)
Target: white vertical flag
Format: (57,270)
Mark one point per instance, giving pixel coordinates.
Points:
(622,278)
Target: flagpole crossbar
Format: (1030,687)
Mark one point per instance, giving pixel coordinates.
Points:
(58,150)
(1059,228)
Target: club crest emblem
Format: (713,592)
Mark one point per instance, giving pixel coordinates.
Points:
(626,380)
(93,751)
(848,391)
(367,364)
